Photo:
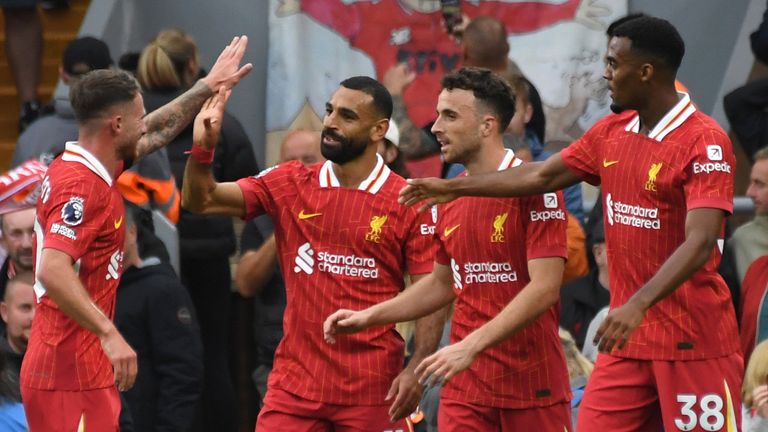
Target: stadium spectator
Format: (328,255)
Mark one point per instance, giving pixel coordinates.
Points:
(665,208)
(17,310)
(750,241)
(341,239)
(168,66)
(16,237)
(754,391)
(579,369)
(24,48)
(154,313)
(753,324)
(76,360)
(389,150)
(582,298)
(258,274)
(148,183)
(12,418)
(502,261)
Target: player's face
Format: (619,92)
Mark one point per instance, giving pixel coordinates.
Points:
(18,312)
(18,228)
(347,126)
(758,186)
(623,73)
(457,127)
(133,128)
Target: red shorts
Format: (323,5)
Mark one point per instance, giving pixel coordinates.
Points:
(456,416)
(68,411)
(286,412)
(653,395)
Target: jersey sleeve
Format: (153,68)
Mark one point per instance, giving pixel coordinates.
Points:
(420,244)
(74,213)
(545,226)
(710,172)
(257,190)
(583,155)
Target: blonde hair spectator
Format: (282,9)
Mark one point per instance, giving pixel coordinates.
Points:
(170,61)
(578,365)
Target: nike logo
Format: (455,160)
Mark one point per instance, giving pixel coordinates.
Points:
(449,231)
(118,223)
(303,216)
(607,163)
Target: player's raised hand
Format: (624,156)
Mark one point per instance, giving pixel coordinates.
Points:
(446,363)
(208,121)
(406,390)
(430,190)
(226,72)
(343,321)
(122,357)
(618,326)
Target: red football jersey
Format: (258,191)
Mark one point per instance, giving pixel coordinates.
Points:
(488,242)
(649,183)
(338,248)
(80,212)
(390,32)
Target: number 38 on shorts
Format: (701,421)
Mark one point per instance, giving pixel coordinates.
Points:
(708,412)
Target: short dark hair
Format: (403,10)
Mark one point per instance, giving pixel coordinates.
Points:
(654,37)
(101,89)
(626,18)
(382,100)
(488,88)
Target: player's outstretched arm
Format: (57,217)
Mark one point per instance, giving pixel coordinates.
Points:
(541,293)
(526,179)
(169,120)
(425,296)
(63,286)
(702,229)
(200,192)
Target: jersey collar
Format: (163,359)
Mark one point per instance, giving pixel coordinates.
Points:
(74,153)
(509,161)
(674,118)
(372,184)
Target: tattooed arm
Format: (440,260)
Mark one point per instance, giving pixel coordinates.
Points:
(414,142)
(166,122)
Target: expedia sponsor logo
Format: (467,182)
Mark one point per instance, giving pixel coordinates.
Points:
(338,264)
(63,230)
(488,272)
(631,215)
(425,229)
(547,215)
(711,167)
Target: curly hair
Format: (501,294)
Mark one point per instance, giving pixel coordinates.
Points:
(488,88)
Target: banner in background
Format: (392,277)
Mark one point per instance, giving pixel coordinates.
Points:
(314,44)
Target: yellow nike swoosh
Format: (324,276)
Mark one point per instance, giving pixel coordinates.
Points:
(303,215)
(449,231)
(118,223)
(607,163)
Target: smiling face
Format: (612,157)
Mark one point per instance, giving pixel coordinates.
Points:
(348,125)
(132,127)
(457,127)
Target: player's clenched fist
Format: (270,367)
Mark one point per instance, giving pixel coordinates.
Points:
(344,321)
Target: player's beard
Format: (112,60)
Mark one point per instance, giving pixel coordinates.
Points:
(347,150)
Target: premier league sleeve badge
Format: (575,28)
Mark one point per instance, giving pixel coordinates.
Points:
(72,212)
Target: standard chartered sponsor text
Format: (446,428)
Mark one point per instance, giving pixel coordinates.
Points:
(347,265)
(636,216)
(489,272)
